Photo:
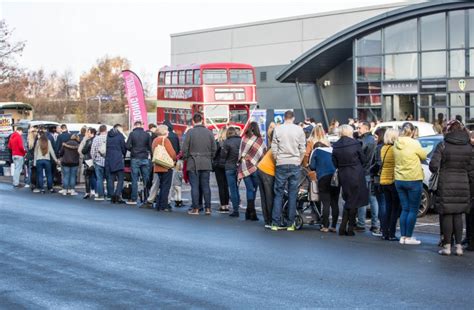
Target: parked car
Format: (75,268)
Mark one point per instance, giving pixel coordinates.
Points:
(5,155)
(424,129)
(429,144)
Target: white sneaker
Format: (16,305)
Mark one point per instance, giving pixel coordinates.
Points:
(62,191)
(36,190)
(131,202)
(402,240)
(412,241)
(92,192)
(27,185)
(73,193)
(99,198)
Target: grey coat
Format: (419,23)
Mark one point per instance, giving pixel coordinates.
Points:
(199,148)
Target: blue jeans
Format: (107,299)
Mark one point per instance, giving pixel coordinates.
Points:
(381,203)
(44,165)
(18,161)
(231,176)
(113,190)
(139,166)
(285,174)
(251,185)
(409,193)
(69,177)
(374,208)
(100,176)
(199,181)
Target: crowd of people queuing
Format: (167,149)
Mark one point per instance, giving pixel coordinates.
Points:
(380,170)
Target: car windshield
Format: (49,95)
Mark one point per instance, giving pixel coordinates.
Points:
(429,145)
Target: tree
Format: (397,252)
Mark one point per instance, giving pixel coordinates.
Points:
(8,51)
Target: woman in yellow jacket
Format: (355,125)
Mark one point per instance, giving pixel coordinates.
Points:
(408,180)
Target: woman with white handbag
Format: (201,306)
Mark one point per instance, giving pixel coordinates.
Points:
(164,158)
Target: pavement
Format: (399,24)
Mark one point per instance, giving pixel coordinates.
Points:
(65,252)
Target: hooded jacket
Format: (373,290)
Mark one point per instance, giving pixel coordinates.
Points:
(69,154)
(453,159)
(116,150)
(408,155)
(173,137)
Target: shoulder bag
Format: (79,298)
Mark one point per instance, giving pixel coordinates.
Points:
(161,156)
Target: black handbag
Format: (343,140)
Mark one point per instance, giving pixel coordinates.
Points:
(434,177)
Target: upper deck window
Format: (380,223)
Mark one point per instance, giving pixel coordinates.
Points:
(241,76)
(197,77)
(189,77)
(161,78)
(174,77)
(214,76)
(181,78)
(168,78)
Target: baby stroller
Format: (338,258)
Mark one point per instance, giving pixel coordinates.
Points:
(127,183)
(307,212)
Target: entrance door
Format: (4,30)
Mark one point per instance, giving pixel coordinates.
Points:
(399,107)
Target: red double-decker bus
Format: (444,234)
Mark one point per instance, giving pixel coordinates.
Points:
(222,92)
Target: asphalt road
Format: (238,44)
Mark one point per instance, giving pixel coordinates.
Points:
(64,252)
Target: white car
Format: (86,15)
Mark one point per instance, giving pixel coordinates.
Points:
(424,129)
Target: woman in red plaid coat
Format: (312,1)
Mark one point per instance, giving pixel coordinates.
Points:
(252,150)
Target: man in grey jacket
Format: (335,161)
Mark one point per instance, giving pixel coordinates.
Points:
(199,148)
(288,147)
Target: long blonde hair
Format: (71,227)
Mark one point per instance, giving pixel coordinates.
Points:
(318,135)
(222,135)
(31,137)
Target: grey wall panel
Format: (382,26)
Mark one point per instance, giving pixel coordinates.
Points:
(203,57)
(280,32)
(266,55)
(199,42)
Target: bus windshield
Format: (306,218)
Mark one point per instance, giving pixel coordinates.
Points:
(215,76)
(239,116)
(244,76)
(216,114)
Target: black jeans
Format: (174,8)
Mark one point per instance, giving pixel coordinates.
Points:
(452,224)
(222,186)
(266,195)
(392,211)
(329,197)
(111,178)
(348,220)
(199,181)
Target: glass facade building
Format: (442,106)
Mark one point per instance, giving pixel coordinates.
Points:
(417,68)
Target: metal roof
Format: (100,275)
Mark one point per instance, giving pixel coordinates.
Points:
(15,105)
(331,52)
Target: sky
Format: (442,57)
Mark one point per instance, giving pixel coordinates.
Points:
(68,35)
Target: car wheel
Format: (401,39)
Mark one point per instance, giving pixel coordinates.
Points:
(425,203)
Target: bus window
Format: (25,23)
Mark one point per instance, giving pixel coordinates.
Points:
(239,116)
(174,77)
(197,77)
(189,77)
(181,78)
(161,78)
(168,78)
(216,114)
(241,76)
(218,76)
(189,118)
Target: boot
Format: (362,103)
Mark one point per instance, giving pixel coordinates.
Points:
(343,226)
(253,212)
(248,211)
(352,222)
(458,250)
(446,250)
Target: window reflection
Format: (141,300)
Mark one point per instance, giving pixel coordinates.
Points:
(369,68)
(433,31)
(401,37)
(370,44)
(401,67)
(433,64)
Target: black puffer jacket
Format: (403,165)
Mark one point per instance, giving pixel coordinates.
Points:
(86,150)
(348,159)
(230,152)
(139,144)
(453,157)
